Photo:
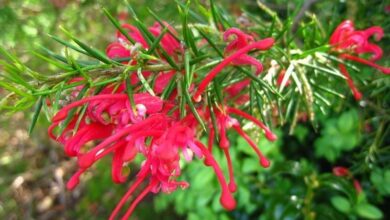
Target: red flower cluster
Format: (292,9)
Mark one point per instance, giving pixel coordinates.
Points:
(346,40)
(152,128)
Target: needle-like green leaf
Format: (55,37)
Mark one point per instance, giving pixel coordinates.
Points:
(37,111)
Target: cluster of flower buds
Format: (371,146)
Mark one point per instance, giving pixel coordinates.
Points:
(145,125)
(348,41)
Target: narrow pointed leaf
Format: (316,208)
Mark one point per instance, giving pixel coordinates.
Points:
(37,111)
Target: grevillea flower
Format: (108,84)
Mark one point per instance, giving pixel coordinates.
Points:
(237,57)
(111,120)
(106,119)
(111,125)
(125,137)
(240,40)
(348,41)
(344,172)
(161,165)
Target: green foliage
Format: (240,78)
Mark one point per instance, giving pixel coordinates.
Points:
(380,178)
(339,135)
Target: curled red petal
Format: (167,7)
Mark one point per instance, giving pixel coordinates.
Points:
(376,31)
(93,131)
(374,49)
(241,39)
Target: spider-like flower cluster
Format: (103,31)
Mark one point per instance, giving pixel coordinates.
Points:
(153,128)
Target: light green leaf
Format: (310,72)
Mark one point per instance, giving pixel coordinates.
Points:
(369,211)
(341,203)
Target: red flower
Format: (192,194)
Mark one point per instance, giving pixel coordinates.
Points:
(344,172)
(161,165)
(341,171)
(110,130)
(240,41)
(238,57)
(153,128)
(346,40)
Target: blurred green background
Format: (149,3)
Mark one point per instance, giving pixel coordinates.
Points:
(299,185)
